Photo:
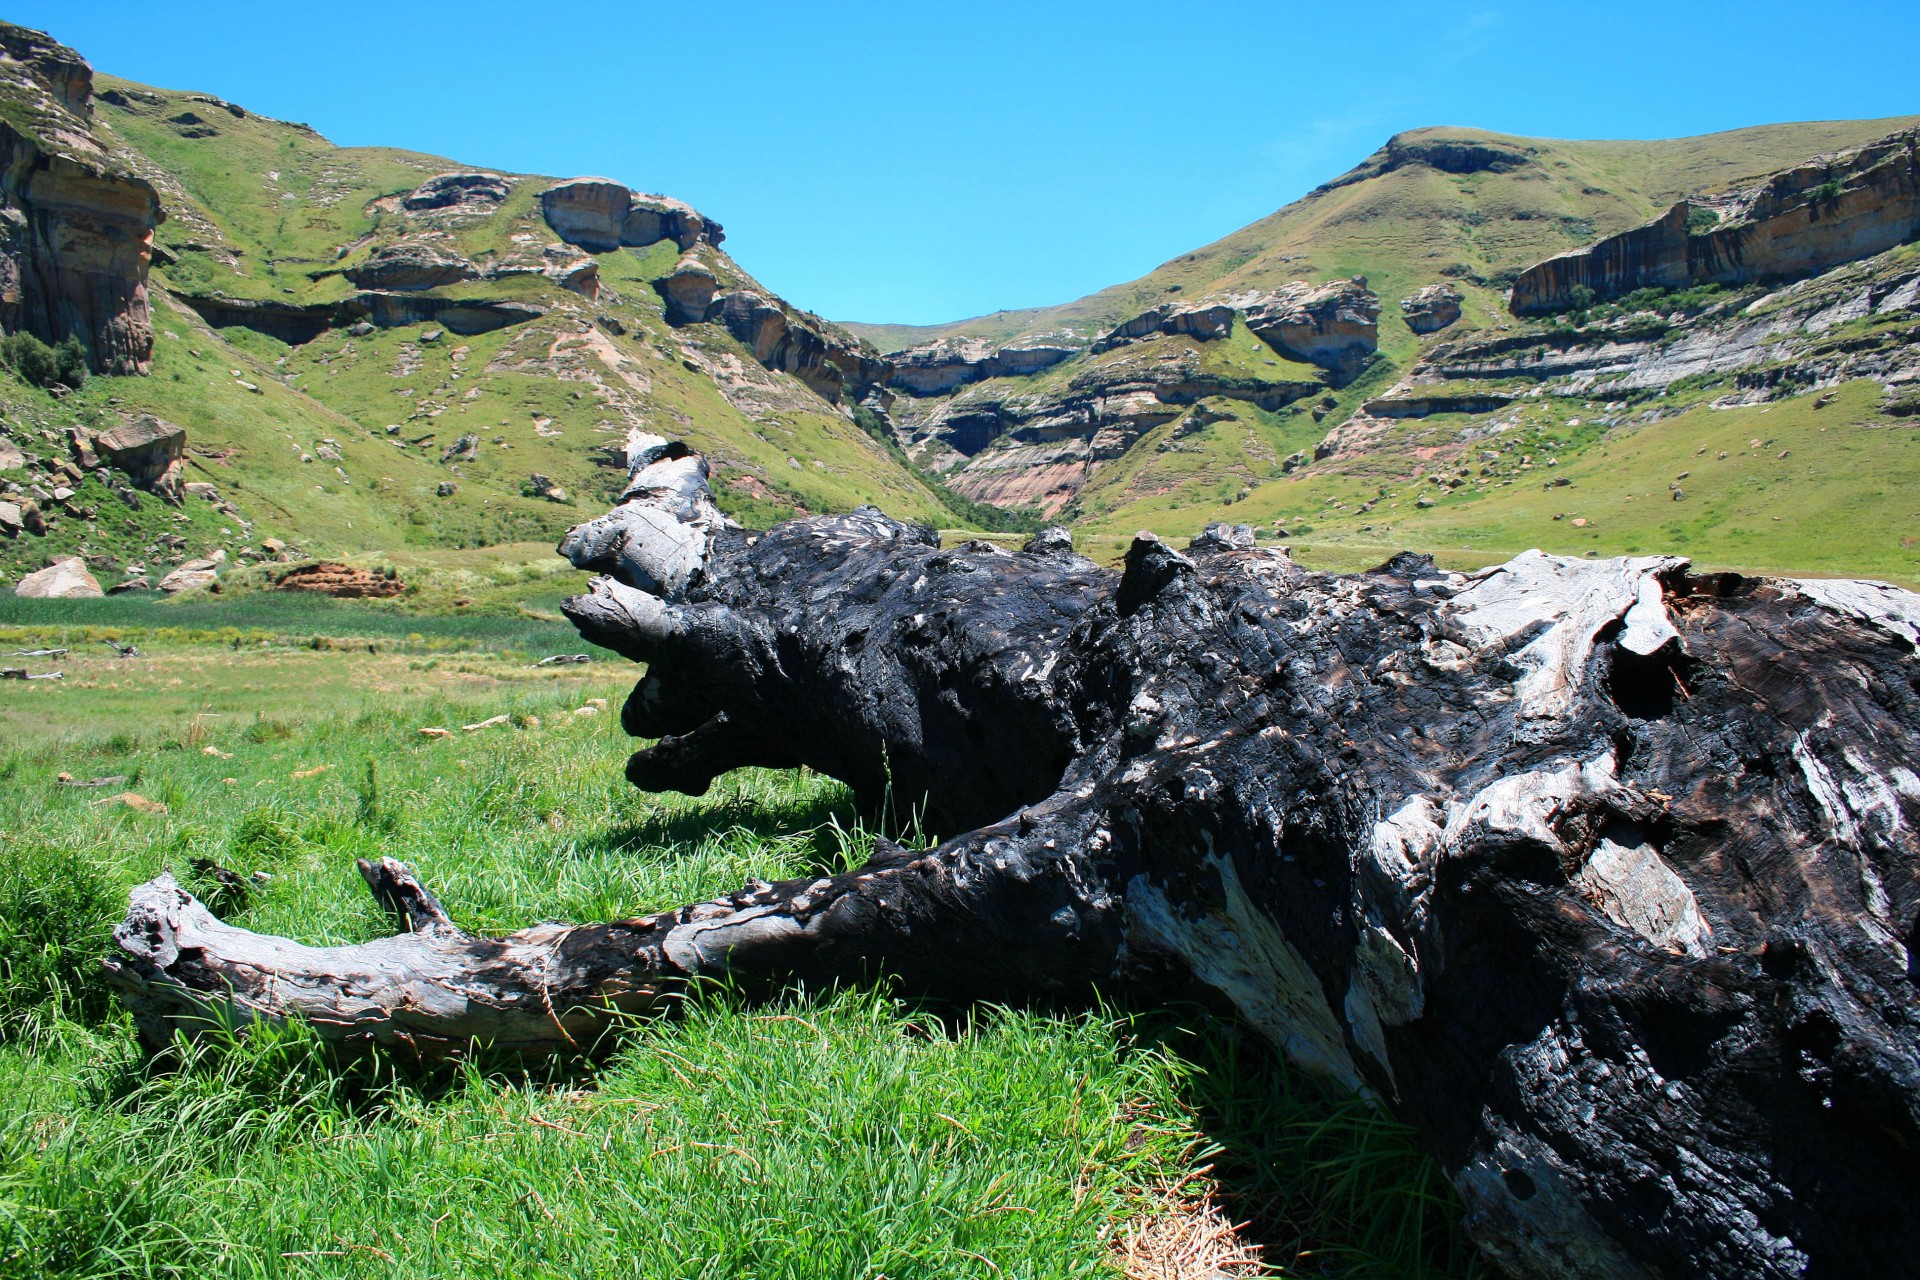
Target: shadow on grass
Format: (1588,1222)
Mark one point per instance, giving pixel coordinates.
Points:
(1325,1183)
(825,819)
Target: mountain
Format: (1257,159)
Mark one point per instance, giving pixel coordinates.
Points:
(1469,343)
(1173,400)
(369,348)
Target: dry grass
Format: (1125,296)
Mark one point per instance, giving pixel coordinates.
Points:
(1185,1236)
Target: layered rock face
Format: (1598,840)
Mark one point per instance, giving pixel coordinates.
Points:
(1334,325)
(832,362)
(600,215)
(76,232)
(1431,309)
(1798,221)
(939,368)
(835,364)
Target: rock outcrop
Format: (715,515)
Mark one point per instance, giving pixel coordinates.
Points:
(832,362)
(65,579)
(1449,151)
(599,215)
(1334,325)
(411,265)
(298,323)
(344,581)
(938,368)
(688,291)
(479,192)
(149,450)
(1203,320)
(1432,308)
(1817,215)
(76,230)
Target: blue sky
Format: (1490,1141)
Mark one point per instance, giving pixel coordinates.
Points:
(917,163)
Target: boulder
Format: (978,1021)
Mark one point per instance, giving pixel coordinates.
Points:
(476,191)
(446,489)
(465,449)
(541,486)
(11,525)
(33,518)
(65,579)
(149,450)
(411,265)
(273,546)
(139,582)
(1431,309)
(194,575)
(11,457)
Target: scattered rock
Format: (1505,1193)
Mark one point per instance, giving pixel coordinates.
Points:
(446,489)
(586,711)
(11,458)
(273,546)
(432,335)
(540,486)
(488,723)
(11,525)
(139,582)
(360,329)
(201,489)
(465,449)
(68,780)
(436,733)
(301,775)
(65,579)
(563,660)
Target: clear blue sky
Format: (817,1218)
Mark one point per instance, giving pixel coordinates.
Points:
(923,162)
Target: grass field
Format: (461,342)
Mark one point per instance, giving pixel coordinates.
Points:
(832,1134)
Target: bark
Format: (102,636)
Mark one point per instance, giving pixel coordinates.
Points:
(1601,874)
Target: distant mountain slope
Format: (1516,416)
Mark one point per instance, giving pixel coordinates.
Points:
(1467,205)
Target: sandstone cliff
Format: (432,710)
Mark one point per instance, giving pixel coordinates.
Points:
(1816,215)
(76,231)
(599,215)
(944,366)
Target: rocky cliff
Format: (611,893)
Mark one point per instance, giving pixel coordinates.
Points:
(76,230)
(1830,210)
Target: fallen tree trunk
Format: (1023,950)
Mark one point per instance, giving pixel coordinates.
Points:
(1599,873)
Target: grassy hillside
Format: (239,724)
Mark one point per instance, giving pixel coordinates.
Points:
(340,444)
(1412,224)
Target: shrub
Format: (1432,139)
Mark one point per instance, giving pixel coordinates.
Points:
(1700,221)
(57,913)
(42,365)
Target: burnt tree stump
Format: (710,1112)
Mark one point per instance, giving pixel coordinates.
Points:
(1601,874)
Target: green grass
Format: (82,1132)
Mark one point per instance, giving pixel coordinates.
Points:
(830,1134)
